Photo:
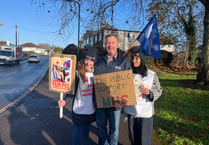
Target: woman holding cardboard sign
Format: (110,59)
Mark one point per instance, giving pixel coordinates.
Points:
(83,108)
(148,90)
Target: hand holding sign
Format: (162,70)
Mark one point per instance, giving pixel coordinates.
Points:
(118,106)
(115,89)
(144,90)
(61,108)
(61,103)
(62,69)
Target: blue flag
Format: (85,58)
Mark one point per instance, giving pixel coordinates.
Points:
(149,39)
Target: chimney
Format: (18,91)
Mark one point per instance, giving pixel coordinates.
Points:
(8,43)
(103,24)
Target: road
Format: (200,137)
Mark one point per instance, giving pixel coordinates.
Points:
(18,79)
(35,121)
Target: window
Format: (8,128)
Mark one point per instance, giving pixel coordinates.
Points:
(95,39)
(91,40)
(87,40)
(100,36)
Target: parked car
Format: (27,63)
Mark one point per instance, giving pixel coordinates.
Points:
(33,58)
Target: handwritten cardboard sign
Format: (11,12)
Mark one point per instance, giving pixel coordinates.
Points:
(62,69)
(114,87)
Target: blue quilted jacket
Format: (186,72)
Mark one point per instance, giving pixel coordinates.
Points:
(119,63)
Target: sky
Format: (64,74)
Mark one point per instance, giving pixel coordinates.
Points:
(37,25)
(34,24)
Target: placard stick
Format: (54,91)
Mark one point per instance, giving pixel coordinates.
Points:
(61,108)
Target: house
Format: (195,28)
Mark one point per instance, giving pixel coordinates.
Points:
(32,48)
(26,47)
(6,43)
(168,48)
(97,38)
(126,38)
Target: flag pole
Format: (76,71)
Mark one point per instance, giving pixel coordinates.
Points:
(129,47)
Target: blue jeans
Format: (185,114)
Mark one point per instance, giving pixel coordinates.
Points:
(81,134)
(102,115)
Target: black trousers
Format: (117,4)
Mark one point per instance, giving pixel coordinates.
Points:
(140,130)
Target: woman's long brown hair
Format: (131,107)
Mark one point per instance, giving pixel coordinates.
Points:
(82,71)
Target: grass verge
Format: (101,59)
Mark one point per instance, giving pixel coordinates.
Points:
(182,112)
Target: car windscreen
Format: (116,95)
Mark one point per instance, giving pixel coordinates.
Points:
(33,57)
(5,53)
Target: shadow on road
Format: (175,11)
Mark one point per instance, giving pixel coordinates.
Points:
(35,121)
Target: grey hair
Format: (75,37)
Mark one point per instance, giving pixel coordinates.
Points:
(109,35)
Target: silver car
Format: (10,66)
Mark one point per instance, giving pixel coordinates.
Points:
(33,58)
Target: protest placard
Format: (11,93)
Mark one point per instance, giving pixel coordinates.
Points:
(62,69)
(114,87)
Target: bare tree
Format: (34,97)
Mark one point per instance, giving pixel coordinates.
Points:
(93,12)
(45,46)
(203,72)
(176,16)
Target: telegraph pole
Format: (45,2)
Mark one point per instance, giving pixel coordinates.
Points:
(16,35)
(1,24)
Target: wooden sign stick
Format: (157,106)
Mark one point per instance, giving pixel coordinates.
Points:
(61,108)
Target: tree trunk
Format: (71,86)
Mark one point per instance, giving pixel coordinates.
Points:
(203,72)
(192,54)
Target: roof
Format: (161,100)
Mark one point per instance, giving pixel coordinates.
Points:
(106,25)
(5,43)
(30,45)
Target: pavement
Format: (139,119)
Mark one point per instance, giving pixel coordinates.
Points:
(34,120)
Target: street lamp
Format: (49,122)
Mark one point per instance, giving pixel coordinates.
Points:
(78,3)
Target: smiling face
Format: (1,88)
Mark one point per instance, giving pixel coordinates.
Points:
(136,61)
(89,64)
(111,45)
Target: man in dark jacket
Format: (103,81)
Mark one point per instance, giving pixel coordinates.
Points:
(111,61)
